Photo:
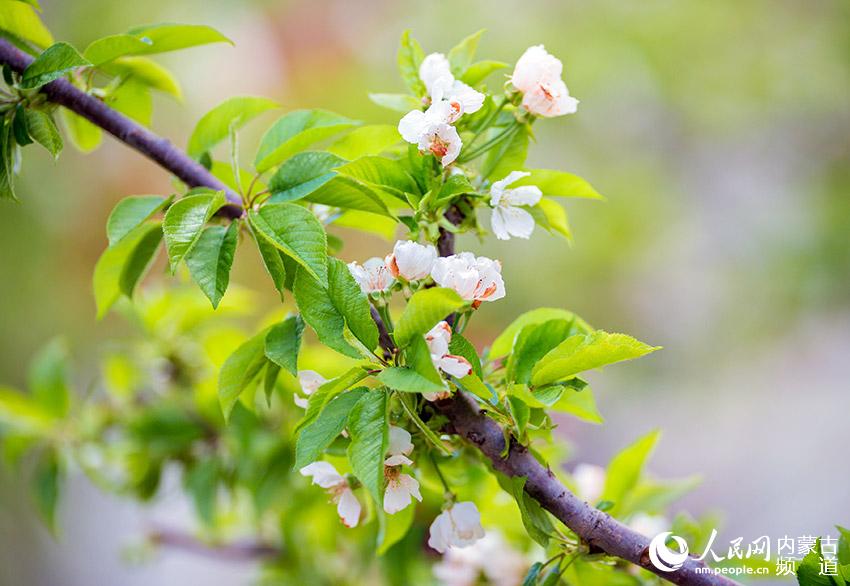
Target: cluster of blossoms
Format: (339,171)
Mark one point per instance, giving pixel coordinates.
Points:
(474,278)
(536,79)
(536,88)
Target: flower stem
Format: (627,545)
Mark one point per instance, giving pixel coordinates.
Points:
(501,137)
(442,478)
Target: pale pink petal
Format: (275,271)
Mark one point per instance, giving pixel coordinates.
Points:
(310,381)
(518,222)
(399,491)
(399,441)
(398,460)
(455,365)
(524,195)
(348,508)
(323,474)
(412,125)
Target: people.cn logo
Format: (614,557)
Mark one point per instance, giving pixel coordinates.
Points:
(662,557)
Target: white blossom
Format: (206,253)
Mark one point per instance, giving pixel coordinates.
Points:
(457,526)
(590,481)
(401,488)
(431,131)
(435,72)
(438,339)
(411,260)
(538,76)
(373,276)
(310,381)
(491,556)
(474,278)
(326,476)
(649,525)
(508,218)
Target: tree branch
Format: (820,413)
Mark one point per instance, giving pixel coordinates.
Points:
(599,530)
(139,138)
(237,551)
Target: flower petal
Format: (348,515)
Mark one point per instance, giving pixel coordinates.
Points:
(457,366)
(399,441)
(524,195)
(498,224)
(348,508)
(323,474)
(518,222)
(412,125)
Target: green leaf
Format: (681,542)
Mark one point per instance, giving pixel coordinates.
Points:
(48,378)
(344,192)
(382,226)
(53,63)
(381,172)
(129,213)
(294,132)
(397,103)
(410,56)
(809,569)
(532,574)
(22,21)
(283,343)
(147,71)
(455,185)
(534,518)
(303,174)
(43,130)
(239,370)
(318,435)
(133,99)
(507,156)
(201,483)
(532,343)
(393,528)
(625,469)
(45,486)
(366,140)
(84,135)
(22,414)
(294,230)
(585,352)
(19,126)
(367,426)
(481,70)
(215,125)
(581,404)
(405,379)
(106,49)
(273,261)
(503,344)
(418,357)
(425,308)
(172,37)
(329,311)
(211,259)
(8,150)
(843,545)
(460,346)
(324,394)
(520,413)
(461,55)
(559,183)
(121,267)
(184,221)
(550,215)
(150,39)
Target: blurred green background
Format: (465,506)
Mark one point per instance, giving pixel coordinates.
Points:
(720,134)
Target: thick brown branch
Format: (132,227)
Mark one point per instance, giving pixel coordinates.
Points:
(596,528)
(600,531)
(159,150)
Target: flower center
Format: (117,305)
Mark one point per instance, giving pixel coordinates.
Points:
(439,146)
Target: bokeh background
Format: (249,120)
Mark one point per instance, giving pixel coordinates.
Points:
(719,132)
